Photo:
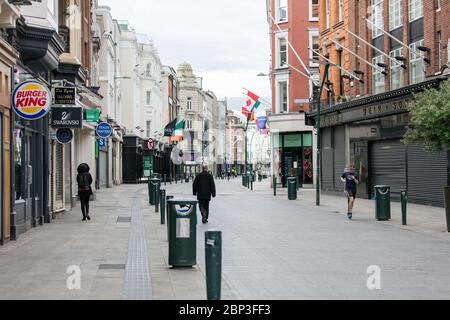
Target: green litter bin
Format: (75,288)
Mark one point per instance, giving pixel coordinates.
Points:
(292,188)
(383,203)
(154,187)
(182,232)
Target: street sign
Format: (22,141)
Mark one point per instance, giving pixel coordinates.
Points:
(151,144)
(65,95)
(64,136)
(31,100)
(102,143)
(67,117)
(104,130)
(92,115)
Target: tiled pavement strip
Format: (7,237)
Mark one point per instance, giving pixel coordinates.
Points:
(273,249)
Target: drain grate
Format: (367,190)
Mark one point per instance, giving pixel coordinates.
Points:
(124,219)
(111,267)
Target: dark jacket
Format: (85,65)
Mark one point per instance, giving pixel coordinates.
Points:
(204,186)
(84,179)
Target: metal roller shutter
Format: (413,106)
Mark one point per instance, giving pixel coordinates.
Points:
(426,176)
(59,177)
(327,161)
(339,157)
(388,166)
(103,160)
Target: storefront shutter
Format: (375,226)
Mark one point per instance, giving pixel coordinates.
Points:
(103,169)
(59,177)
(426,176)
(327,160)
(339,157)
(388,166)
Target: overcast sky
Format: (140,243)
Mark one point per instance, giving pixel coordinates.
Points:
(225,41)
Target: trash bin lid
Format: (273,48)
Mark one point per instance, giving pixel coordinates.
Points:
(382,187)
(182,201)
(155,179)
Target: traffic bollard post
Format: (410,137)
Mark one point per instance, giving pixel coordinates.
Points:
(404,194)
(163,206)
(213,255)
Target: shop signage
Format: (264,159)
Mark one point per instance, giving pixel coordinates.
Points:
(365,112)
(104,130)
(102,143)
(64,136)
(65,95)
(92,115)
(148,166)
(31,100)
(67,117)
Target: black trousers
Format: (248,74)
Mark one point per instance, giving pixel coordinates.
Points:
(84,199)
(204,208)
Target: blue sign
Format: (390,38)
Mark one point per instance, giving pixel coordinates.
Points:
(102,143)
(104,130)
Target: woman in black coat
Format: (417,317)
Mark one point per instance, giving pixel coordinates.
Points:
(84,180)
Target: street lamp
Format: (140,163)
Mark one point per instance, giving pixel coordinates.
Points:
(319,142)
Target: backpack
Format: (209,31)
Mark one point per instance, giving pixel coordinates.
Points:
(84,184)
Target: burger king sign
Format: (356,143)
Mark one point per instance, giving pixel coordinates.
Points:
(31,100)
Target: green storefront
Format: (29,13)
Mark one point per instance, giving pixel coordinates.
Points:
(294,154)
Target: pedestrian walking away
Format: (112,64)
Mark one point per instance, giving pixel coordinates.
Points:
(84,180)
(205,189)
(351,180)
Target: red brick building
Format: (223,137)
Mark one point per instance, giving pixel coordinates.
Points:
(293,30)
(397,48)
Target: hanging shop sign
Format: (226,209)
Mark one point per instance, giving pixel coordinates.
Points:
(67,117)
(151,144)
(64,136)
(92,115)
(104,130)
(31,100)
(65,95)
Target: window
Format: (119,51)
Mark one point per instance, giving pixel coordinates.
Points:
(438,5)
(439,49)
(149,128)
(282,10)
(148,71)
(378,78)
(189,103)
(395,14)
(341,10)
(417,65)
(314,10)
(282,52)
(377,18)
(189,124)
(396,70)
(314,44)
(327,14)
(149,98)
(415,10)
(283,96)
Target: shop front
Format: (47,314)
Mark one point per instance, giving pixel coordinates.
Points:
(368,133)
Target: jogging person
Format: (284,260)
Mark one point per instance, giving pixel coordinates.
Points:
(351,180)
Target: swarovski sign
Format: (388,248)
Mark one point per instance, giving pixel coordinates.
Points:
(67,117)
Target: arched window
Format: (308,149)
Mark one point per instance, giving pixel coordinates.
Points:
(148,72)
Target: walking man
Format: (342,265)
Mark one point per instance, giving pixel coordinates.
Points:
(205,189)
(351,179)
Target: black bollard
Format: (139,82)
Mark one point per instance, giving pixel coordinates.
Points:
(213,255)
(275,186)
(163,206)
(404,195)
